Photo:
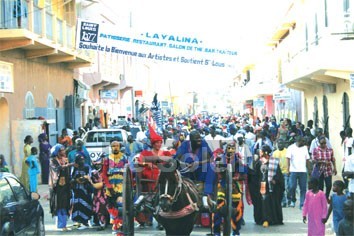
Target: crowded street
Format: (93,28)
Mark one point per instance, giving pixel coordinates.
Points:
(292,224)
(177,117)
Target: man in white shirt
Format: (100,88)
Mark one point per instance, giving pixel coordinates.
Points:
(298,164)
(69,129)
(349,174)
(213,139)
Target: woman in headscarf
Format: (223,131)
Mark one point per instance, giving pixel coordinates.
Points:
(271,189)
(44,155)
(59,185)
(82,209)
(27,152)
(100,211)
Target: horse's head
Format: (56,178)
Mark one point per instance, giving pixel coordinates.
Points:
(170,185)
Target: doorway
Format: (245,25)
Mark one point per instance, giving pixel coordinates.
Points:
(5,144)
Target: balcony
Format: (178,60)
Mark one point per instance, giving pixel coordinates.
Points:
(39,33)
(325,64)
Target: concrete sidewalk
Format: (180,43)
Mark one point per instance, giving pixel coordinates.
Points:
(43,191)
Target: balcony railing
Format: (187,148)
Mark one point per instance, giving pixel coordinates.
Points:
(23,14)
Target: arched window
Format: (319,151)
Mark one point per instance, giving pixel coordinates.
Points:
(29,106)
(50,107)
(346,112)
(315,112)
(325,116)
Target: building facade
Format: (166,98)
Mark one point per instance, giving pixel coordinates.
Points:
(312,47)
(37,80)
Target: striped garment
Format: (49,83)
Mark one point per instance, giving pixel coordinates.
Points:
(114,168)
(272,170)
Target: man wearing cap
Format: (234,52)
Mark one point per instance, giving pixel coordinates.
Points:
(132,147)
(79,149)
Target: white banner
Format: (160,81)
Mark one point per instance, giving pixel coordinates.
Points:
(152,45)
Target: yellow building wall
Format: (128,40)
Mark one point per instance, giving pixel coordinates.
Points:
(38,77)
(335,113)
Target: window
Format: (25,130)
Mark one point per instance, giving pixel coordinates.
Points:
(346,112)
(29,106)
(325,116)
(306,38)
(315,112)
(19,190)
(50,107)
(326,13)
(6,194)
(106,136)
(346,5)
(48,5)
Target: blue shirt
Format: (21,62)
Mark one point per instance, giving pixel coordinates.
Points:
(33,167)
(203,172)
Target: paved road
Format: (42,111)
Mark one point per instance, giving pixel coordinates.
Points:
(292,224)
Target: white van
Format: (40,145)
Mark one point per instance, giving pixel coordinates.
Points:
(98,141)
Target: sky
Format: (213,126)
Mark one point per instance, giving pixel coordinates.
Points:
(242,25)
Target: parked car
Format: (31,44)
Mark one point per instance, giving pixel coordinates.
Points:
(20,212)
(98,141)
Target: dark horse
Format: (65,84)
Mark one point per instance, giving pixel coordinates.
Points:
(179,201)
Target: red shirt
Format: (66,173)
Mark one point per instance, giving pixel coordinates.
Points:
(150,170)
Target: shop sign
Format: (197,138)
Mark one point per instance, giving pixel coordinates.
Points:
(258,103)
(283,93)
(109,94)
(6,77)
(138,93)
(282,96)
(164,103)
(351,81)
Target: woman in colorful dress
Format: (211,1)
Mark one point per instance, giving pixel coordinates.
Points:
(99,196)
(82,201)
(59,186)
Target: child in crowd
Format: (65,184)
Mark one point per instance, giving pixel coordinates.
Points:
(336,204)
(3,164)
(33,169)
(315,207)
(346,225)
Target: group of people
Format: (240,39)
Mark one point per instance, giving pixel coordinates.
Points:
(269,162)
